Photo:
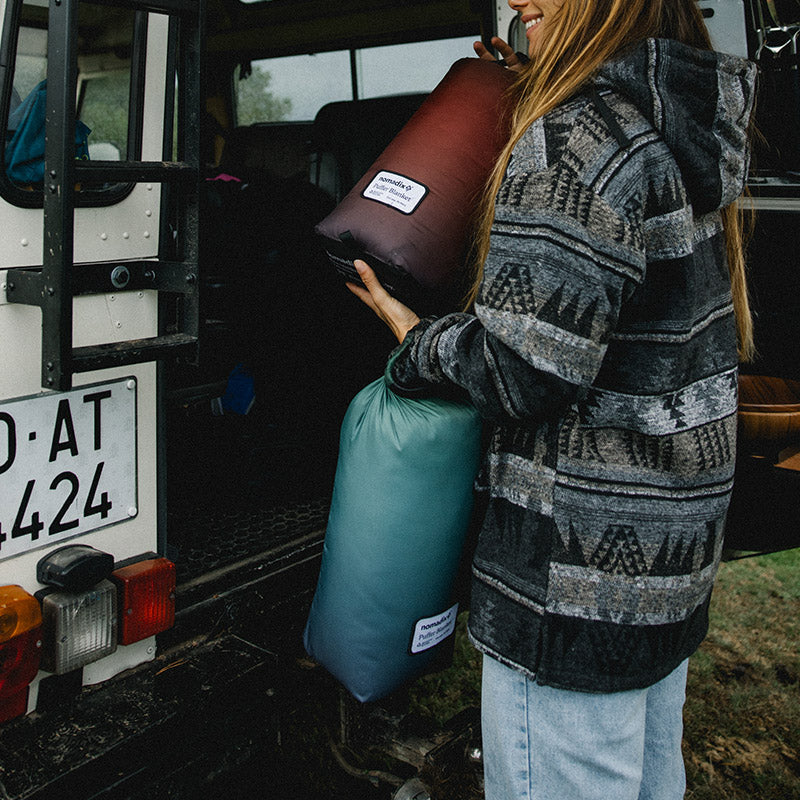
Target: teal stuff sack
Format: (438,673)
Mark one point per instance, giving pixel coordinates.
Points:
(24,153)
(400,511)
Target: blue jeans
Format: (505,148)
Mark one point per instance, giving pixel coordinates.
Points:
(541,743)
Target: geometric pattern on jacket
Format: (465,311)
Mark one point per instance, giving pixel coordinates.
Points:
(603,353)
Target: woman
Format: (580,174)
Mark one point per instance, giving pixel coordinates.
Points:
(602,347)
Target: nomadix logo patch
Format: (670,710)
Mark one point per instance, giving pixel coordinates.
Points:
(430,631)
(396,191)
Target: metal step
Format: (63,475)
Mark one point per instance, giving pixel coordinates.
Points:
(27,285)
(176,277)
(132,351)
(135,171)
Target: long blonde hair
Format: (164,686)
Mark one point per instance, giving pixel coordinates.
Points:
(583,35)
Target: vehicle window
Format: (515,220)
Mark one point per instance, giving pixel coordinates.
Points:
(401,68)
(294,88)
(102,99)
(31,65)
(103,108)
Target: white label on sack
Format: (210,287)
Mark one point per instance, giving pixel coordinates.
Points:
(430,631)
(396,191)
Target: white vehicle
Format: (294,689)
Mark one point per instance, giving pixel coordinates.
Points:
(176,355)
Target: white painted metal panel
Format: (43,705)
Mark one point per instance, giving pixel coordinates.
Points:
(126,230)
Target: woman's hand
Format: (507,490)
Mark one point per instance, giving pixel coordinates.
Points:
(400,319)
(510,58)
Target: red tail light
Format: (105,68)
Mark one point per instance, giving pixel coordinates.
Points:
(20,648)
(146,598)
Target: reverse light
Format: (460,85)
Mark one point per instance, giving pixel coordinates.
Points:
(78,627)
(146,598)
(20,648)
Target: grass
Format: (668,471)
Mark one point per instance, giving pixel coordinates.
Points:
(742,715)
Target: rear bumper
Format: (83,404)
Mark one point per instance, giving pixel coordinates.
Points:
(215,698)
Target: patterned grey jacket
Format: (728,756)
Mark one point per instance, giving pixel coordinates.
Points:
(603,352)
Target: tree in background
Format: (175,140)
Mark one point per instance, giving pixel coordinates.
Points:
(255,103)
(104,109)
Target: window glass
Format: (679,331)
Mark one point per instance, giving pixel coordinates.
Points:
(31,63)
(415,67)
(102,99)
(294,88)
(104,109)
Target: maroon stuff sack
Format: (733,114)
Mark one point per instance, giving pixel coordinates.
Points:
(410,216)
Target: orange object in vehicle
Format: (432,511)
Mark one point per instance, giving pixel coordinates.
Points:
(769,413)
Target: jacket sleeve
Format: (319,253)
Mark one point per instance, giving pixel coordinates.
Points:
(480,368)
(562,262)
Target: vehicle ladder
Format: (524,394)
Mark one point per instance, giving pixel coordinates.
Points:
(175,271)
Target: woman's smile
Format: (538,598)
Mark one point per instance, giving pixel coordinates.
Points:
(536,17)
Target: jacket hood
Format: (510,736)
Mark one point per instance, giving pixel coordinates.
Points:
(700,102)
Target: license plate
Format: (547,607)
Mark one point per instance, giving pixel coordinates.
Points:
(67,464)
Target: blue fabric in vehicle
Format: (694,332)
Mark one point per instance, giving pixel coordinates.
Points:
(24,155)
(399,516)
